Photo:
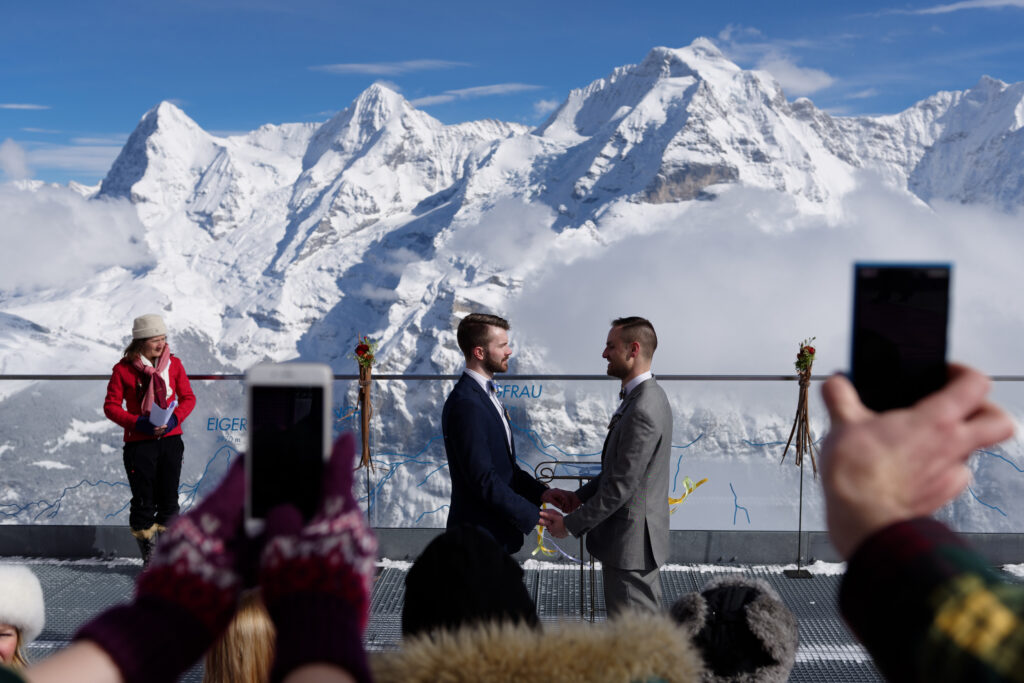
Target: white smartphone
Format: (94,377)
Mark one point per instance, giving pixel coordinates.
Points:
(289,426)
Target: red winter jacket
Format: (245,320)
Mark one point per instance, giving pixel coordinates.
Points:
(127,386)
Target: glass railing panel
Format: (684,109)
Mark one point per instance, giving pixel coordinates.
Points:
(728,439)
(62,462)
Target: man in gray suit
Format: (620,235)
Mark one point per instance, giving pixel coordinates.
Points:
(625,508)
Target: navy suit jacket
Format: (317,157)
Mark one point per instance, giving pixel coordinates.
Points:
(489,489)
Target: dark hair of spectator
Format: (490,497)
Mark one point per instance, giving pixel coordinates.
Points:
(464,577)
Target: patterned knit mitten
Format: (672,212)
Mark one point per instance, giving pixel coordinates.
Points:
(317,579)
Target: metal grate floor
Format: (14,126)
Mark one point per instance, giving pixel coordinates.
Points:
(76,591)
(827,651)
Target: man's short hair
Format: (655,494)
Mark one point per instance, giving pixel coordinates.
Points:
(637,329)
(474,331)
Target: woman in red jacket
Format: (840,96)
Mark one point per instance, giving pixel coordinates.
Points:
(150,382)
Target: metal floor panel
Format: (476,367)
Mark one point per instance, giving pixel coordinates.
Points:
(75,592)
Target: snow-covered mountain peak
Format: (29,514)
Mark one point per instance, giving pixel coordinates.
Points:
(664,79)
(700,58)
(359,125)
(165,144)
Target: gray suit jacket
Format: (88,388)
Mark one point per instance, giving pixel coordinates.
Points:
(625,508)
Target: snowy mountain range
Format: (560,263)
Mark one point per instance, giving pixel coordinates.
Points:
(292,239)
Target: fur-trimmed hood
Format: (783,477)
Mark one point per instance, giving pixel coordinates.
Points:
(21,601)
(631,648)
(745,633)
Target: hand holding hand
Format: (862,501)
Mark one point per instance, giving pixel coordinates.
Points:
(566,501)
(554,522)
(882,468)
(317,578)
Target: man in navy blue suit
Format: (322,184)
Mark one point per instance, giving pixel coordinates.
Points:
(489,489)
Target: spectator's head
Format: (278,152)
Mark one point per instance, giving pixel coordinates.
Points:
(744,631)
(245,652)
(21,613)
(464,577)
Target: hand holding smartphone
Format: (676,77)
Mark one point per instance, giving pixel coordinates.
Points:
(900,323)
(289,438)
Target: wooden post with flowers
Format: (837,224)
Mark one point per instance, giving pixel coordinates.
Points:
(802,424)
(804,444)
(364,356)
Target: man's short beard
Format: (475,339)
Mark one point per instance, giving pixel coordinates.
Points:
(616,371)
(494,367)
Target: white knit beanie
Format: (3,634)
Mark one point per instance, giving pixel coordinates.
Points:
(21,601)
(149,325)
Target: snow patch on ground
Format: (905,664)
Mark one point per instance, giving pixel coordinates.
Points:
(51,465)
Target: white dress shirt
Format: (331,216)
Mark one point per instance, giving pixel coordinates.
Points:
(484,382)
(631,385)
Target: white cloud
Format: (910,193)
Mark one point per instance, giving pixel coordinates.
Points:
(510,234)
(745,45)
(399,259)
(474,92)
(733,32)
(543,107)
(89,160)
(24,106)
(12,161)
(795,79)
(52,236)
(431,100)
(970,4)
(47,131)
(118,140)
(864,94)
(388,68)
(374,293)
(390,85)
(730,292)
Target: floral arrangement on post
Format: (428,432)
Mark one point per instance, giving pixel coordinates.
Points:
(364,354)
(801,424)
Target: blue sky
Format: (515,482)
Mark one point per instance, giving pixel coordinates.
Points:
(75,77)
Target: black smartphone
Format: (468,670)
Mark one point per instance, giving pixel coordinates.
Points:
(900,324)
(289,438)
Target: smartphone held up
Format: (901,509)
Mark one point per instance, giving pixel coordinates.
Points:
(289,429)
(900,328)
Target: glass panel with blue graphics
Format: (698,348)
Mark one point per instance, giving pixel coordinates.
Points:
(62,462)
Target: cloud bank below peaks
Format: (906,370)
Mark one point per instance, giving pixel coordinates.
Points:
(54,238)
(734,284)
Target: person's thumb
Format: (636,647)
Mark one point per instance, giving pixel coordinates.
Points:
(842,401)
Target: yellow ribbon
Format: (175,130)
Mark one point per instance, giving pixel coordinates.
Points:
(541,548)
(690,487)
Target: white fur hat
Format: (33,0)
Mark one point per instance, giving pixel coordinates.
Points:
(21,601)
(149,325)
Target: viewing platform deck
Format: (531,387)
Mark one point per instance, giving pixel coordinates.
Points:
(75,591)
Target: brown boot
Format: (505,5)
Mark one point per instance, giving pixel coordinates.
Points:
(146,538)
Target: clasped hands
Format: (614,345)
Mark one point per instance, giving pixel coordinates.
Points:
(567,501)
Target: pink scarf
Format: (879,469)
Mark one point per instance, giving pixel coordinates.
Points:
(156,388)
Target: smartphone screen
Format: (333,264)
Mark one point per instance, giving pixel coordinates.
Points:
(286,448)
(900,322)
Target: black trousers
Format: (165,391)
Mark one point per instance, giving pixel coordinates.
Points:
(153,467)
